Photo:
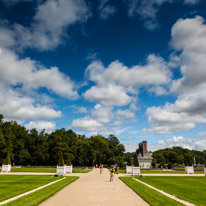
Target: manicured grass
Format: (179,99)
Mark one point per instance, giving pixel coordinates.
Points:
(151,196)
(163,171)
(191,189)
(46,170)
(13,185)
(37,197)
(33,169)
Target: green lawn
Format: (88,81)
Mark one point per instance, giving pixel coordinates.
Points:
(13,185)
(191,189)
(151,196)
(37,197)
(46,170)
(33,169)
(163,171)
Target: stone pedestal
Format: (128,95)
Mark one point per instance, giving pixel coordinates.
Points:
(68,169)
(128,169)
(61,170)
(136,171)
(189,170)
(6,168)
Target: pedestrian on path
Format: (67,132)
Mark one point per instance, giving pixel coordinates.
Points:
(115,168)
(101,168)
(111,174)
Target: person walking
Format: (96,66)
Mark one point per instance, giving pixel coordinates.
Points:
(111,174)
(100,168)
(115,168)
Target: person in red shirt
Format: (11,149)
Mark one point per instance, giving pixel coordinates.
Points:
(101,168)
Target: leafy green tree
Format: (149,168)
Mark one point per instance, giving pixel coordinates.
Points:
(173,157)
(9,137)
(20,145)
(154,163)
(56,144)
(116,151)
(170,165)
(188,160)
(101,151)
(2,146)
(159,157)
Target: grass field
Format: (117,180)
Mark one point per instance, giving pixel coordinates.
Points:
(46,170)
(37,197)
(13,185)
(191,189)
(163,171)
(151,196)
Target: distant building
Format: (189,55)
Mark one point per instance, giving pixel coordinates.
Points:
(144,157)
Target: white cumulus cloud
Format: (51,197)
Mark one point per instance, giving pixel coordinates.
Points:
(48,27)
(116,84)
(180,141)
(18,107)
(188,37)
(40,125)
(28,73)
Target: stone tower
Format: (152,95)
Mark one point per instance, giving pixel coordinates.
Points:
(144,157)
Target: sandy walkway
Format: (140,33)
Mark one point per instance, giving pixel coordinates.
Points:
(94,189)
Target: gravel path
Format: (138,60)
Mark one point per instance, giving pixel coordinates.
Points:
(94,189)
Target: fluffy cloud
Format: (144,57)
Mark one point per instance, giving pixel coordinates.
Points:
(48,28)
(18,107)
(155,72)
(188,36)
(131,147)
(20,81)
(189,108)
(7,36)
(102,114)
(80,109)
(106,10)
(116,84)
(30,74)
(180,116)
(104,120)
(40,125)
(86,124)
(123,116)
(147,10)
(189,143)
(108,95)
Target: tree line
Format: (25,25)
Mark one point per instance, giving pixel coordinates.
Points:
(179,155)
(30,147)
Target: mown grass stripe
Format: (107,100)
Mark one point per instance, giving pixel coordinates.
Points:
(166,194)
(29,192)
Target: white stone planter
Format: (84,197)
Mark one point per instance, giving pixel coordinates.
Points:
(6,168)
(61,170)
(128,169)
(68,169)
(189,170)
(136,171)
(205,171)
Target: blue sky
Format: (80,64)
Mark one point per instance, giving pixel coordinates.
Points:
(132,68)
